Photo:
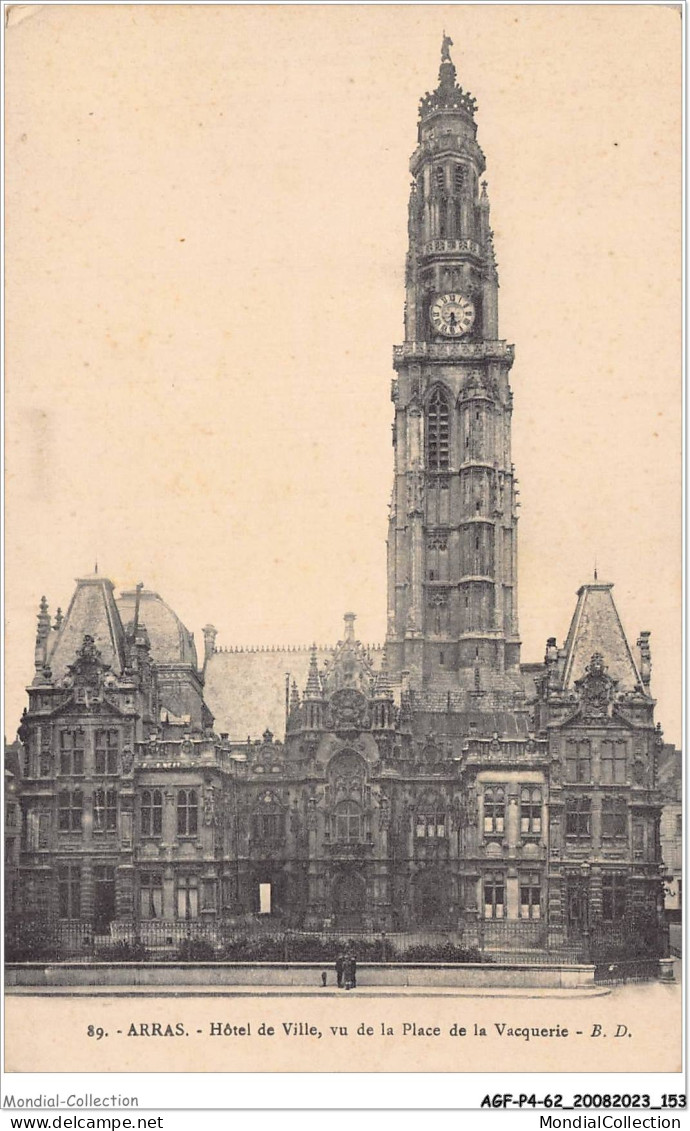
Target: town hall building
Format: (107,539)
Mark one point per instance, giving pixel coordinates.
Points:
(435,781)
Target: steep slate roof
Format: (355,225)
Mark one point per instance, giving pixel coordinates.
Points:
(92,611)
(244,688)
(596,627)
(171,642)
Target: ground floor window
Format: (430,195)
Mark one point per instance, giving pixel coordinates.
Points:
(264,899)
(208,894)
(187,897)
(104,895)
(530,895)
(69,891)
(151,895)
(614,896)
(494,895)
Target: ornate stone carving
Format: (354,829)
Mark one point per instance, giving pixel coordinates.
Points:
(347,710)
(596,688)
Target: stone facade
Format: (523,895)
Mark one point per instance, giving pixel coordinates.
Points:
(435,782)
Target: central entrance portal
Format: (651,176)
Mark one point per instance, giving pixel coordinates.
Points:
(349,900)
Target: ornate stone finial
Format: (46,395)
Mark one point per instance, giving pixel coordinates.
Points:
(313,687)
(349,619)
(210,632)
(58,619)
(42,634)
(645,658)
(294,697)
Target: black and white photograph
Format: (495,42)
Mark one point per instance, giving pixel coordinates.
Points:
(343,573)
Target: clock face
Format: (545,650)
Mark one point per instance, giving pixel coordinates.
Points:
(452,315)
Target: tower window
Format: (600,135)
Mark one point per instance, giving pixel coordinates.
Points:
(438,432)
(440,176)
(459,178)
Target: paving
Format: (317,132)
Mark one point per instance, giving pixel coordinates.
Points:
(308,991)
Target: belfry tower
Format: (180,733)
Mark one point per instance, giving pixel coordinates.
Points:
(452,545)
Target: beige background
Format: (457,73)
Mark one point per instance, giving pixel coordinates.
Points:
(206,239)
(58,1040)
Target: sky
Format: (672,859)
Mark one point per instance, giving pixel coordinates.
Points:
(206,234)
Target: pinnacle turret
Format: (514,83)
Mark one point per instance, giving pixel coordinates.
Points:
(313,687)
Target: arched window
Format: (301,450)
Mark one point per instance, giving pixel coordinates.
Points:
(348,822)
(151,812)
(494,809)
(438,432)
(268,820)
(187,812)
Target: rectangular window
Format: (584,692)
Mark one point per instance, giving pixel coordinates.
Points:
(72,753)
(269,826)
(69,891)
(187,897)
(264,899)
(44,826)
(613,762)
(151,895)
(679,824)
(613,891)
(494,896)
(431,826)
(614,817)
(530,896)
(104,896)
(70,805)
(578,817)
(187,813)
(107,752)
(530,811)
(151,812)
(578,762)
(494,810)
(105,810)
(208,892)
(638,840)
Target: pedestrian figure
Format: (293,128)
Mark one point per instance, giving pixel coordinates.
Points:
(339,964)
(349,972)
(324,977)
(353,960)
